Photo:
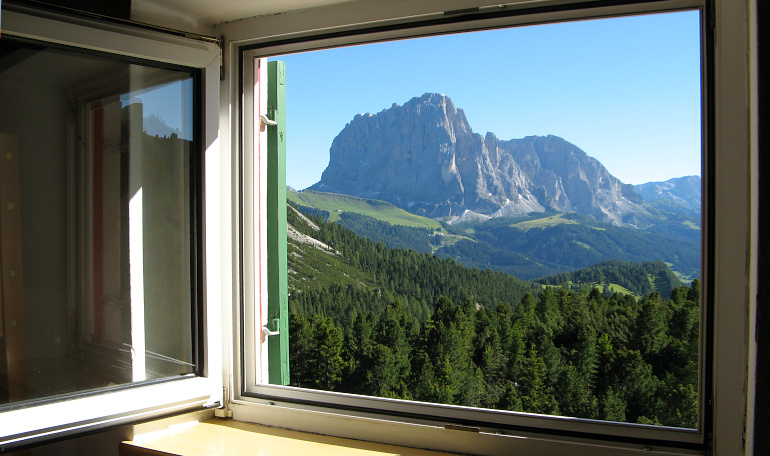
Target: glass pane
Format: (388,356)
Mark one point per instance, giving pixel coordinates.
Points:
(550,265)
(98,246)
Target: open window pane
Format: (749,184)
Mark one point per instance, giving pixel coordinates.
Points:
(98,229)
(550,266)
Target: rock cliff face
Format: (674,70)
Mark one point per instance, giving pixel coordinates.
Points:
(424,157)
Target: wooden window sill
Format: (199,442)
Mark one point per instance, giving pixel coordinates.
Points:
(232,438)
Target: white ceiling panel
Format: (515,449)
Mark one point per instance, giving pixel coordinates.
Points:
(200,15)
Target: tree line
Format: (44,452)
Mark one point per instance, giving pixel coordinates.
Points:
(639,278)
(579,354)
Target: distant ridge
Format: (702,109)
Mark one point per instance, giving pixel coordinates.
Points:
(155,126)
(682,190)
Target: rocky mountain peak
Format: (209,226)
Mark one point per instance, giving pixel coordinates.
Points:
(423,156)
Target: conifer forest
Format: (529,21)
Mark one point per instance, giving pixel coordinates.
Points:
(372,320)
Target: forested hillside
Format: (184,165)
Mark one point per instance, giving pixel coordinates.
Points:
(565,242)
(358,275)
(638,278)
(528,247)
(386,322)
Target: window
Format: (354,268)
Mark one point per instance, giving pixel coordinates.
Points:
(102,236)
(255,385)
(415,176)
(117,212)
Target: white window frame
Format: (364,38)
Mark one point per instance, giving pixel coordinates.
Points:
(31,423)
(733,232)
(254,175)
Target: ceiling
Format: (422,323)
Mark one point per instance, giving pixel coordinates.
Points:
(199,15)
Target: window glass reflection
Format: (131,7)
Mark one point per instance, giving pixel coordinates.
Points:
(97,282)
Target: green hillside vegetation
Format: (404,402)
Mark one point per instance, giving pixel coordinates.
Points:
(370,320)
(544,222)
(483,256)
(672,220)
(419,239)
(606,288)
(528,247)
(376,220)
(423,240)
(613,288)
(638,279)
(336,204)
(559,243)
(362,275)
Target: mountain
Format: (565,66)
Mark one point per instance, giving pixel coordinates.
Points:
(425,158)
(683,190)
(155,126)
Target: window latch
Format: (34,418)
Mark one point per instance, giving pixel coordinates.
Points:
(269,332)
(265,121)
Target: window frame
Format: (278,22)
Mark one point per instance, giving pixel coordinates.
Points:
(31,422)
(728,241)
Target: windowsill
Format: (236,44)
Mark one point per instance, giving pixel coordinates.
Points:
(228,437)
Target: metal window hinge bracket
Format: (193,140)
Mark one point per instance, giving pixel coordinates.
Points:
(224,410)
(221,44)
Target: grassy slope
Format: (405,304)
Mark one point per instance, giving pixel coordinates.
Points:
(613,287)
(336,203)
(544,222)
(551,248)
(579,278)
(407,275)
(313,268)
(310,268)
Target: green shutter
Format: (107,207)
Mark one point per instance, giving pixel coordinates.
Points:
(278,298)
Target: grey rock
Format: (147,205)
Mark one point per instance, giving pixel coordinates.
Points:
(425,158)
(682,190)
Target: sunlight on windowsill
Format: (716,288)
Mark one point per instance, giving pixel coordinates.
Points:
(227,437)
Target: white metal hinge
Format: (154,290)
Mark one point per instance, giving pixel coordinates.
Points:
(224,411)
(221,43)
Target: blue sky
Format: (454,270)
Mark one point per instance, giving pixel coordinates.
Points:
(625,90)
(171,102)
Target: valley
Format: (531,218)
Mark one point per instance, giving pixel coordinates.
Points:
(528,247)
